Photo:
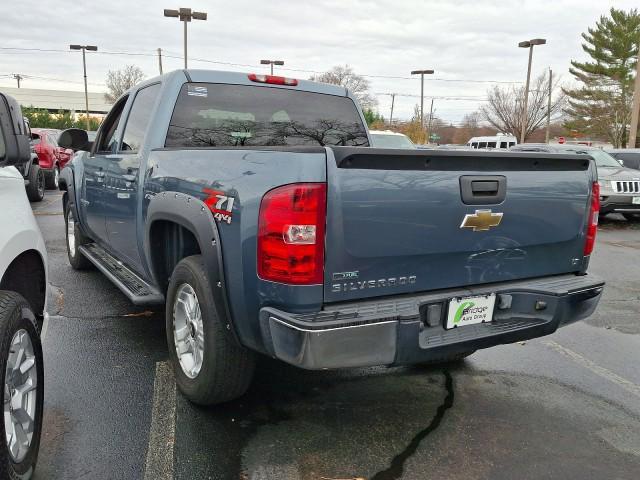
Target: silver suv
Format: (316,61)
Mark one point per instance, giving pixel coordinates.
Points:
(619,186)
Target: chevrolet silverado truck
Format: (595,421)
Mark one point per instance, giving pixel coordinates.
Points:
(253,208)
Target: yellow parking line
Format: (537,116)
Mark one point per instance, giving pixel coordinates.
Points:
(159,462)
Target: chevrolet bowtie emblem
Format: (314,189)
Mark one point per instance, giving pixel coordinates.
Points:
(481,221)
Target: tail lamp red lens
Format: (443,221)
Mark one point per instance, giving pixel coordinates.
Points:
(291,229)
(592,226)
(273,79)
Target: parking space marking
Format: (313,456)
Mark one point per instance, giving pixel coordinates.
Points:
(628,385)
(159,461)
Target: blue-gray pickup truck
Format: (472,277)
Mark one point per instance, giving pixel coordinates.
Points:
(253,207)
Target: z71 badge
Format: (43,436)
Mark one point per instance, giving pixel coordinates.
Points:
(220,204)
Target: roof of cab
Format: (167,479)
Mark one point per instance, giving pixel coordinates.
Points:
(241,78)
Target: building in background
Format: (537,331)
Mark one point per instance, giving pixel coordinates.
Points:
(56,100)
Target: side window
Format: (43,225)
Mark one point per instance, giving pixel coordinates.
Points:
(482,145)
(139,117)
(503,144)
(107,138)
(511,144)
(474,145)
(491,144)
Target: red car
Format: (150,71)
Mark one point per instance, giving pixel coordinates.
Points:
(51,157)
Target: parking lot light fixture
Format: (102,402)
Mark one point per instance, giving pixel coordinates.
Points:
(422,73)
(185,15)
(272,63)
(528,44)
(91,48)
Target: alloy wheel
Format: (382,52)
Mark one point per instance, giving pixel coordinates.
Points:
(188,333)
(71,233)
(20,388)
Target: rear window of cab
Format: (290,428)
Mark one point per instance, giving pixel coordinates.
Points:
(222,115)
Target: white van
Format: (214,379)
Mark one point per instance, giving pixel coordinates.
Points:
(495,141)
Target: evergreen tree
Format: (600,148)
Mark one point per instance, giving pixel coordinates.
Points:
(601,105)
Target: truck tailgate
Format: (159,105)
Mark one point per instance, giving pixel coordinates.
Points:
(410,221)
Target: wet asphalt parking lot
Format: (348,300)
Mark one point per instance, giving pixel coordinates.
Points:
(563,406)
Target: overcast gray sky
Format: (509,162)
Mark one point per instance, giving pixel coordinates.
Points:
(460,40)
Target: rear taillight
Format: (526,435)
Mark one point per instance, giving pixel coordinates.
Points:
(291,234)
(592,226)
(273,79)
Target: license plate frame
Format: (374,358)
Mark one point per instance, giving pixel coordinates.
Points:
(480,311)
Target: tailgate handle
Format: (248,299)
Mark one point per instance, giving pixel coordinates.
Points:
(483,189)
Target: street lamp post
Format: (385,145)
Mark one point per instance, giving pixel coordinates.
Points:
(272,63)
(528,44)
(185,15)
(422,73)
(91,48)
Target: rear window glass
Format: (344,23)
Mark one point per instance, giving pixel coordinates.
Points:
(219,115)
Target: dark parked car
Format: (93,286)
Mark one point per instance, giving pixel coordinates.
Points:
(31,172)
(619,186)
(630,156)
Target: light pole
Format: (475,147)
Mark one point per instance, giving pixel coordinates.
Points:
(272,63)
(91,48)
(185,15)
(528,44)
(422,73)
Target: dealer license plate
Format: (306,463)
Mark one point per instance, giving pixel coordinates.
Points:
(470,310)
(635,200)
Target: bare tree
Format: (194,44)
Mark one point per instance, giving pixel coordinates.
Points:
(504,106)
(346,77)
(119,81)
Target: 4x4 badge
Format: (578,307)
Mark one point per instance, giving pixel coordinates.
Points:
(481,221)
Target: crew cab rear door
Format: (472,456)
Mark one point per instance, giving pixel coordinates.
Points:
(123,178)
(405,221)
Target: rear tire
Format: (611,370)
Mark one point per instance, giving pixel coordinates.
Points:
(212,367)
(75,239)
(53,178)
(21,355)
(35,189)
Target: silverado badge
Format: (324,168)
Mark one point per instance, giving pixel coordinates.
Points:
(481,221)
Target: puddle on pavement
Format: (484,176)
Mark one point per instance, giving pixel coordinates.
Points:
(387,424)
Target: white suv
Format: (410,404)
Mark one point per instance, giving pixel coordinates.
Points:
(23,285)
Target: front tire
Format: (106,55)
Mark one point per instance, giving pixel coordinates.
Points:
(35,189)
(21,366)
(75,239)
(209,365)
